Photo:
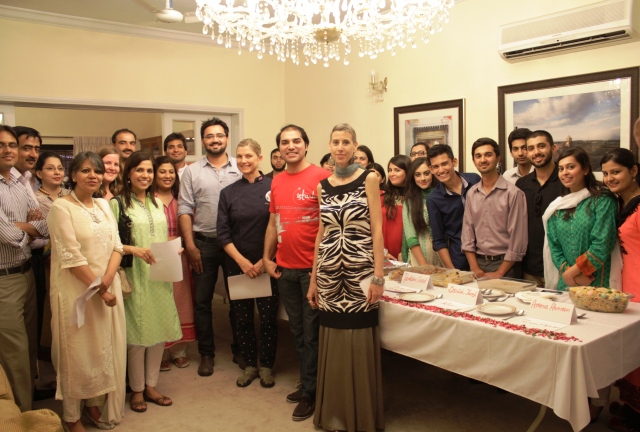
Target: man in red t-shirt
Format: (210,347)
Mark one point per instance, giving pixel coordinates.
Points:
(293,227)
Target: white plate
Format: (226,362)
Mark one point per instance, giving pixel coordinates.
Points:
(494,293)
(496,309)
(419,297)
(528,296)
(394,286)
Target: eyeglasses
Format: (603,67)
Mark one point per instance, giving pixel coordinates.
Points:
(212,136)
(52,169)
(537,200)
(418,153)
(12,146)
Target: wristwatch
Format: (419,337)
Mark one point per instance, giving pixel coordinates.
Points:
(377,281)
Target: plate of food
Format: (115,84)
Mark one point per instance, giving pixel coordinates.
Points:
(493,293)
(496,309)
(419,297)
(528,296)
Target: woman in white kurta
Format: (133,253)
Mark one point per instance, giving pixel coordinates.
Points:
(89,357)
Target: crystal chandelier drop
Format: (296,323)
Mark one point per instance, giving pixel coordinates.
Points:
(322,30)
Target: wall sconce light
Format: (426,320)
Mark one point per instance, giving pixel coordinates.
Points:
(377,89)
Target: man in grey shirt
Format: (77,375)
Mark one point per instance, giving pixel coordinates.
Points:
(494,228)
(200,188)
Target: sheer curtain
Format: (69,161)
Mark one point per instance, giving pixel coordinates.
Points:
(89,143)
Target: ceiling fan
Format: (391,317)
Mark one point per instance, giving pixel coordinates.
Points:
(168,15)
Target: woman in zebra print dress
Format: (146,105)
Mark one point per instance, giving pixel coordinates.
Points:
(349,250)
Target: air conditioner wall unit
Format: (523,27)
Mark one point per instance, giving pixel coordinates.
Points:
(602,23)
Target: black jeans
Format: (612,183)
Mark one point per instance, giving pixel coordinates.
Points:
(268,313)
(213,257)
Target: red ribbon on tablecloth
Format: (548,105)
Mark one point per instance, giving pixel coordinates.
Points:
(555,335)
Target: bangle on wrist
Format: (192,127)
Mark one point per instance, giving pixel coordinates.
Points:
(377,281)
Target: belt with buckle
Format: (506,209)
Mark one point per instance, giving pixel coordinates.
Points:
(22,268)
(204,238)
(491,258)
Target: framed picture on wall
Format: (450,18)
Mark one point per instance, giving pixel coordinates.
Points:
(430,123)
(594,111)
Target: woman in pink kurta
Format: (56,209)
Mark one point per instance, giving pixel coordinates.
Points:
(621,174)
(167,187)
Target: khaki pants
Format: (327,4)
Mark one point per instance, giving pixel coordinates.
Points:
(19,334)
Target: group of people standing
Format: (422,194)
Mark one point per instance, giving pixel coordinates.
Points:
(318,232)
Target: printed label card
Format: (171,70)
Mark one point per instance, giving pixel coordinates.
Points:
(463,294)
(545,309)
(416,281)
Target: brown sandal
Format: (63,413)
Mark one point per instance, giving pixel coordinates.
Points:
(158,401)
(139,406)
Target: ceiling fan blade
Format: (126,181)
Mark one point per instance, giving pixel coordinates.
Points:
(145,4)
(191,18)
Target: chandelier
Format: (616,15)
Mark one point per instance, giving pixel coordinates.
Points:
(322,30)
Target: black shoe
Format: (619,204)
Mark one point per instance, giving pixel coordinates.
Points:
(206,366)
(237,359)
(295,397)
(304,409)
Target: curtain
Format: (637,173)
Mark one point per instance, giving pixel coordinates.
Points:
(89,143)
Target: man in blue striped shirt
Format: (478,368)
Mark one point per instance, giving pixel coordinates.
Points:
(20,222)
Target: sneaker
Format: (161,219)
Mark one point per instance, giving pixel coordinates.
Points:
(295,397)
(304,409)
(250,373)
(206,366)
(266,378)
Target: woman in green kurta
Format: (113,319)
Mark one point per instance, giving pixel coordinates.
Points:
(415,218)
(151,315)
(581,228)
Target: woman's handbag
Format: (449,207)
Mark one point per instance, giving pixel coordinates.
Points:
(124,230)
(125,283)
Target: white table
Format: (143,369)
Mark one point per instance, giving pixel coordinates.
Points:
(556,374)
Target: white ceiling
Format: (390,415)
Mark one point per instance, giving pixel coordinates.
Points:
(134,12)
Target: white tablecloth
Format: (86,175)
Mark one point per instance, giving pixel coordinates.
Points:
(557,374)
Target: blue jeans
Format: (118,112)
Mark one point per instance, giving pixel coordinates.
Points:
(304,322)
(213,257)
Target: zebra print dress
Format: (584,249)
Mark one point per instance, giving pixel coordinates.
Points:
(345,256)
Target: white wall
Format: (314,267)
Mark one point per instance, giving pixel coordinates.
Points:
(460,62)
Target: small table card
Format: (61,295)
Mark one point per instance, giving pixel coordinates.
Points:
(463,294)
(563,313)
(416,281)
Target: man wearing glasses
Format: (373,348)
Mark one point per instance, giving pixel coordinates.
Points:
(418,150)
(540,187)
(200,188)
(20,222)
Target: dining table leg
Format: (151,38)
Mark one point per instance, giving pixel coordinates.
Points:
(538,419)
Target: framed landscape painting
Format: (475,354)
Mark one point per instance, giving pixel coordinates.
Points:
(430,123)
(593,111)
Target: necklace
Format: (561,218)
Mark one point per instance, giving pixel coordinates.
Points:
(92,214)
(152,227)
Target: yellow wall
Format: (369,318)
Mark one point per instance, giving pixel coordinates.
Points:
(460,62)
(70,122)
(48,61)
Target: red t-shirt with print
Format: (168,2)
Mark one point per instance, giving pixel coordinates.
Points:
(295,203)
